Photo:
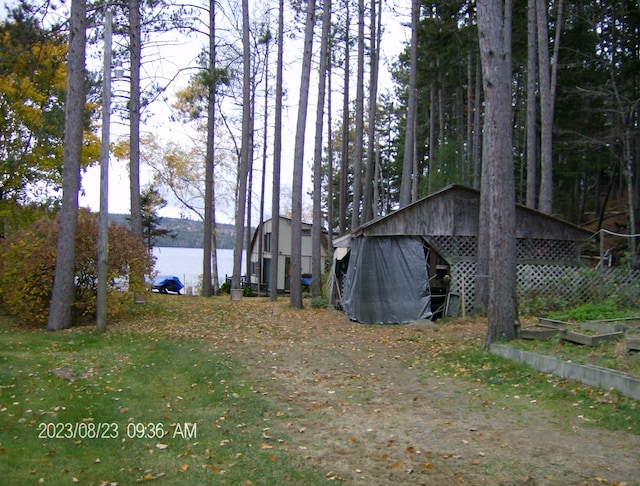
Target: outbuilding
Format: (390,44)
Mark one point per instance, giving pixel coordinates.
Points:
(421,260)
(262,255)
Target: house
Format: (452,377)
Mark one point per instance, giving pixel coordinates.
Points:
(261,255)
(422,258)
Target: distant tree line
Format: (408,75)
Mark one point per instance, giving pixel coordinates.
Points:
(189,233)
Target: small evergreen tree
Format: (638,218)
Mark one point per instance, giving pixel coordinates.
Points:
(150,203)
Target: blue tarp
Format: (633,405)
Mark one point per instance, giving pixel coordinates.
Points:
(387,281)
(167,283)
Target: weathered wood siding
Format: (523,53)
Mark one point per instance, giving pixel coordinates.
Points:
(454,211)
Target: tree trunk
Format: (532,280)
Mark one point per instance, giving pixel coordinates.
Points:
(631,195)
(260,270)
(344,158)
(407,163)
(277,153)
(546,111)
(298,162)
(477,139)
(316,231)
(136,279)
(432,133)
(469,149)
(103,217)
(359,133)
(135,50)
(369,212)
(245,151)
(329,194)
(532,132)
(498,193)
(63,292)
(248,217)
(209,178)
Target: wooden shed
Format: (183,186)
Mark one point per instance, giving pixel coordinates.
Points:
(447,223)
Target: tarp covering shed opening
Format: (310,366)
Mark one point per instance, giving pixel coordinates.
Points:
(387,281)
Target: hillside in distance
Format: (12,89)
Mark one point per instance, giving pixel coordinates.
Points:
(189,233)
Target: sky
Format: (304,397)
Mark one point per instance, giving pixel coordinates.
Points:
(173,58)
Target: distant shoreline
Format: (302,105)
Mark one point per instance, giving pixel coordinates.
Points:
(189,233)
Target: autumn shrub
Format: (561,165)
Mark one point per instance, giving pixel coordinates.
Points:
(27,265)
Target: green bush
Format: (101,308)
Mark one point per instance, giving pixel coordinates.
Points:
(319,302)
(226,287)
(27,266)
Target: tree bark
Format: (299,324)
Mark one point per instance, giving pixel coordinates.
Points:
(136,278)
(407,163)
(298,162)
(359,133)
(135,50)
(546,110)
(263,179)
(243,166)
(477,139)
(498,192)
(103,217)
(344,157)
(63,292)
(277,153)
(330,170)
(316,231)
(209,178)
(532,132)
(369,211)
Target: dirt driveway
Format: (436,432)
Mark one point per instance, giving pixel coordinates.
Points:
(362,404)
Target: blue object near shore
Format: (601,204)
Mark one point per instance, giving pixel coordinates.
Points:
(167,283)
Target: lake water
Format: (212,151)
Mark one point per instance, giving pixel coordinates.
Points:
(186,264)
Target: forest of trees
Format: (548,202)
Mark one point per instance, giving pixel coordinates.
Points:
(571,71)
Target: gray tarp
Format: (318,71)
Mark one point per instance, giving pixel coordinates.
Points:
(387,281)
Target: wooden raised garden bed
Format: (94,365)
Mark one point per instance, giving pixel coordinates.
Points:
(541,333)
(593,333)
(588,339)
(633,343)
(590,333)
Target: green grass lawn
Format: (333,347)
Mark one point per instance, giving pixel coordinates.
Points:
(122,408)
(154,398)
